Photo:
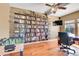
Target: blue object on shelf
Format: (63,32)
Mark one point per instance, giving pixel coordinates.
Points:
(13,40)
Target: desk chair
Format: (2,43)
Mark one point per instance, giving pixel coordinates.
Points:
(65,41)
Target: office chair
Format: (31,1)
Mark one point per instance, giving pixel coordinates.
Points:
(65,41)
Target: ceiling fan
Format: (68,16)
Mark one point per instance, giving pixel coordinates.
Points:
(54,7)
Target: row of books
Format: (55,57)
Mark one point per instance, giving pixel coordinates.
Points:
(29,21)
(29,39)
(35,34)
(30,27)
(28,17)
(36,26)
(30,34)
(36,22)
(19,16)
(40,19)
(34,18)
(29,30)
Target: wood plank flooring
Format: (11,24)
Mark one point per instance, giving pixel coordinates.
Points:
(47,48)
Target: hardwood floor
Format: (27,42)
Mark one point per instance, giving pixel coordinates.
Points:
(47,48)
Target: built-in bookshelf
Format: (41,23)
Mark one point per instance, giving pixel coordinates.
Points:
(19,25)
(31,27)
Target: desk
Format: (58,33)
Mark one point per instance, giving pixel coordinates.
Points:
(76,39)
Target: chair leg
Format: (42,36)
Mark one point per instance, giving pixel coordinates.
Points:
(67,52)
(68,48)
(73,50)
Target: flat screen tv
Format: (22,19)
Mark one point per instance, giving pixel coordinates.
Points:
(58,22)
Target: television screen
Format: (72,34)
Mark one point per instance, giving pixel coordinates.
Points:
(58,22)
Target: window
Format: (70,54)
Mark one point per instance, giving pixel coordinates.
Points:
(70,26)
(78,26)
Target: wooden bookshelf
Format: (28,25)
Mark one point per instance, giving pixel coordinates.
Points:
(31,27)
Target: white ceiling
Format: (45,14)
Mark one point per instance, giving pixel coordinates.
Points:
(40,7)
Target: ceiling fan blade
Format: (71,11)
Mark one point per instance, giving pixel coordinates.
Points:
(48,5)
(62,8)
(62,4)
(48,11)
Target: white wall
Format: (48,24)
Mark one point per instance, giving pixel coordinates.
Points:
(53,30)
(4,20)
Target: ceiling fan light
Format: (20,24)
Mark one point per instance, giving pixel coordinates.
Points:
(52,9)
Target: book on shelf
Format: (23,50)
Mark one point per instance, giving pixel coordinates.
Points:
(37,30)
(46,29)
(16,35)
(27,30)
(21,21)
(41,23)
(16,31)
(29,26)
(15,24)
(28,18)
(33,22)
(32,18)
(28,39)
(23,17)
(41,27)
(32,30)
(43,33)
(46,26)
(43,37)
(19,16)
(38,27)
(37,38)
(28,22)
(38,22)
(15,20)
(33,38)
(31,34)
(42,19)
(38,19)
(22,30)
(46,23)
(35,26)
(37,34)
(16,16)
(27,34)
(22,35)
(21,25)
(42,30)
